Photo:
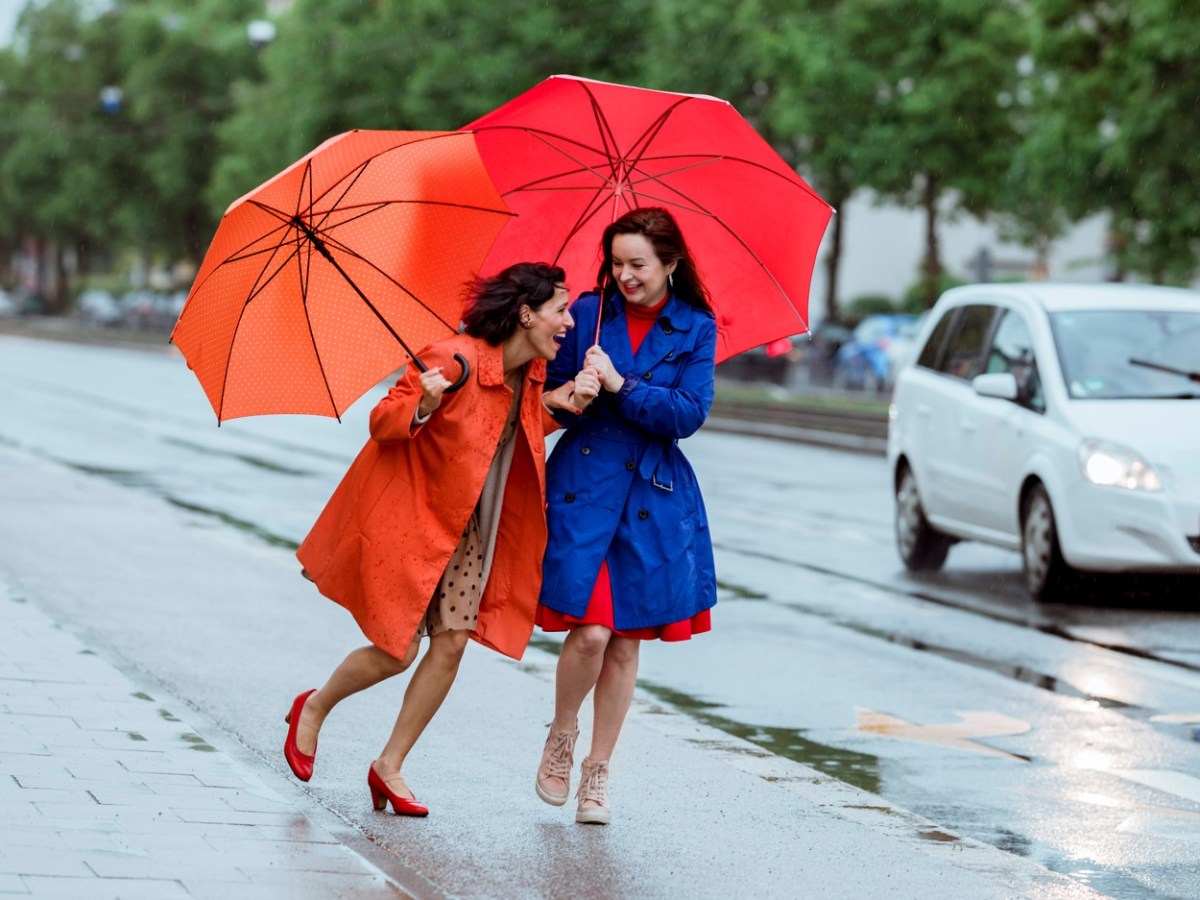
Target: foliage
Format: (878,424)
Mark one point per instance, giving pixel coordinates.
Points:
(1037,113)
(1121,92)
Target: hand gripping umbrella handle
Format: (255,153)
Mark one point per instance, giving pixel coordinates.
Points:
(462,379)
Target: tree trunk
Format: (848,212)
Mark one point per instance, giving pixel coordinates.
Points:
(58,298)
(931,266)
(833,259)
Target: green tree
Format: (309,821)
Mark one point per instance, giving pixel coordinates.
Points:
(423,64)
(61,168)
(178,70)
(939,135)
(1122,81)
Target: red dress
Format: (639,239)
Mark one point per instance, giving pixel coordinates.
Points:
(600,606)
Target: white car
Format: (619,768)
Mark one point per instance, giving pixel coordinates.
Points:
(1062,421)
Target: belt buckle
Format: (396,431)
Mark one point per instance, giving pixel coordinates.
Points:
(668,487)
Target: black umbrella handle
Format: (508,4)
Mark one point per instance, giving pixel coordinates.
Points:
(462,379)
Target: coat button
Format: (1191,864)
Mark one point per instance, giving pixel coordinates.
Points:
(629,464)
(570,498)
(643,513)
(667,329)
(648,376)
(671,355)
(586,450)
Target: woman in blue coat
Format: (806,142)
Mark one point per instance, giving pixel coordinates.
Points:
(629,556)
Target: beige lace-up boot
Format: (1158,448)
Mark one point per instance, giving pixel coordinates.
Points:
(557,758)
(593,786)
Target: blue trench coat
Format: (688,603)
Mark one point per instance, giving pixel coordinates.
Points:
(617,484)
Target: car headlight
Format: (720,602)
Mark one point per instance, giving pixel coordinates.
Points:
(1116,466)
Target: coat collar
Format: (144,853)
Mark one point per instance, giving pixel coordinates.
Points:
(491,366)
(676,319)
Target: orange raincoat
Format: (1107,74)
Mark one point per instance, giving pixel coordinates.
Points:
(386,535)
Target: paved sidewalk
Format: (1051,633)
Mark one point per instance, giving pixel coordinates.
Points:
(108,790)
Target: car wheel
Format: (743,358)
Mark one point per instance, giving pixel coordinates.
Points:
(922,547)
(1047,575)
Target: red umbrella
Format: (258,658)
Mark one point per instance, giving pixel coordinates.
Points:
(319,281)
(571,155)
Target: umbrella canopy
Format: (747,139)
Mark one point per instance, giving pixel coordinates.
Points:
(571,155)
(319,281)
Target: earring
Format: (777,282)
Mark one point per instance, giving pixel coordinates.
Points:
(671,281)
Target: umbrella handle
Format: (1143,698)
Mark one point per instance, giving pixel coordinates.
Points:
(462,379)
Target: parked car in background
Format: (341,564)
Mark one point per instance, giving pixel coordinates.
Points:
(1061,421)
(820,347)
(98,307)
(864,362)
(8,306)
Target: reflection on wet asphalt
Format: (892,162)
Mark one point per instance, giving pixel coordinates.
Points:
(814,622)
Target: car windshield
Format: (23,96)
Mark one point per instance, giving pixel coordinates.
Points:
(1129,354)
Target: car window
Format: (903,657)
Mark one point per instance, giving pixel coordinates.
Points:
(1128,354)
(1012,351)
(932,351)
(964,352)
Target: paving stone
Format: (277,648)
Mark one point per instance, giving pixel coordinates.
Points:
(103,889)
(108,792)
(13,884)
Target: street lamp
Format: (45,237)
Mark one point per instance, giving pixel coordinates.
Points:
(260,32)
(110,99)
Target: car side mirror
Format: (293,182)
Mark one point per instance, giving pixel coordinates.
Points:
(1001,385)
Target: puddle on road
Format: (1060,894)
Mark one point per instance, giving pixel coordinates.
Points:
(256,461)
(741,593)
(129,478)
(268,537)
(858,769)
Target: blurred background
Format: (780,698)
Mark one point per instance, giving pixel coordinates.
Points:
(960,140)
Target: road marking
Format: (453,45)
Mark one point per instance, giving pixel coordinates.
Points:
(1178,718)
(1176,783)
(957,735)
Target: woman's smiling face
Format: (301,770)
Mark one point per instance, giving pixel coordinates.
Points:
(638,271)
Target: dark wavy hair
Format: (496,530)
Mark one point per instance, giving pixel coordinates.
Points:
(659,227)
(493,308)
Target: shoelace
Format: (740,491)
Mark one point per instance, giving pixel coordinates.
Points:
(594,785)
(562,749)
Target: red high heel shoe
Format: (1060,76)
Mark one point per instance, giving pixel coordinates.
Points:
(300,763)
(381,795)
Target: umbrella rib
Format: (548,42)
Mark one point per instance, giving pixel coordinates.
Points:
(708,159)
(305,275)
(605,131)
(258,288)
(699,207)
(358,170)
(338,245)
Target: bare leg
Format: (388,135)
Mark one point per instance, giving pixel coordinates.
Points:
(614,691)
(428,688)
(361,669)
(579,666)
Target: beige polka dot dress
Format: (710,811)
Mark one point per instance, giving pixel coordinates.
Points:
(455,603)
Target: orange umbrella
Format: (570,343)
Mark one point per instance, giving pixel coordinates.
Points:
(319,281)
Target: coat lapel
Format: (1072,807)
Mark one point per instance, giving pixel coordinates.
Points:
(666,337)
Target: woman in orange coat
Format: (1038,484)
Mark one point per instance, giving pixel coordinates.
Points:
(439,526)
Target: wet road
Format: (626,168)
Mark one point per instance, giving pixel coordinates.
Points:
(952,696)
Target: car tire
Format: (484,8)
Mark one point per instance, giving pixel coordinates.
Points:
(1048,577)
(921,546)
